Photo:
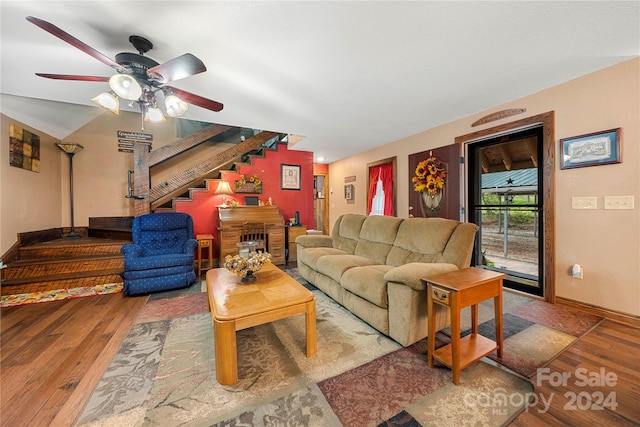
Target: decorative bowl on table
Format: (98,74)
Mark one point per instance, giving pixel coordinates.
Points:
(245,266)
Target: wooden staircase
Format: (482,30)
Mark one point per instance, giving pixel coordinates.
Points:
(201,183)
(45,261)
(63,263)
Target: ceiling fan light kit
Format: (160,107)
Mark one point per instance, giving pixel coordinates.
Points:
(138,78)
(108,100)
(175,106)
(154,115)
(125,87)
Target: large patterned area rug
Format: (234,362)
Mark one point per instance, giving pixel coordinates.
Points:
(534,332)
(164,375)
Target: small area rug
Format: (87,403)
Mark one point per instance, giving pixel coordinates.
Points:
(59,294)
(164,375)
(534,332)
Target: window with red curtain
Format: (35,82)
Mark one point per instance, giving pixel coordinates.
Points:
(384,173)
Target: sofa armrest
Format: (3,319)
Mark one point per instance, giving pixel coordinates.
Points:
(132,250)
(190,246)
(411,274)
(314,241)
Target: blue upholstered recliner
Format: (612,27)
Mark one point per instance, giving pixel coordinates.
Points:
(161,255)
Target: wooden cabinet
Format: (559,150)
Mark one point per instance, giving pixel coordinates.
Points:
(275,243)
(229,237)
(294,231)
(230,229)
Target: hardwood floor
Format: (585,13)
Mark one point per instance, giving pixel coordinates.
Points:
(53,354)
(601,384)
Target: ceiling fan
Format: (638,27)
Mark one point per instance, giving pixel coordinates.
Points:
(138,78)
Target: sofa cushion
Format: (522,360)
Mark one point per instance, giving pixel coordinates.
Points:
(411,274)
(158,261)
(161,234)
(368,282)
(156,272)
(376,237)
(310,256)
(314,241)
(334,266)
(346,232)
(421,240)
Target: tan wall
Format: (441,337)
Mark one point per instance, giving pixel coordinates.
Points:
(35,201)
(100,171)
(29,200)
(605,242)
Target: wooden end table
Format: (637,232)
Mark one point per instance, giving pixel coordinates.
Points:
(457,290)
(235,306)
(205,241)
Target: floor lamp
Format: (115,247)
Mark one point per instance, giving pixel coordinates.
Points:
(71,149)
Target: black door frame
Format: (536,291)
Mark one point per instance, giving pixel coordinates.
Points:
(516,281)
(548,172)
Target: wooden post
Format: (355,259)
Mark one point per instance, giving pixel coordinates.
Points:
(141,179)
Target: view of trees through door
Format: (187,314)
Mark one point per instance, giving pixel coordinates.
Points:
(505,184)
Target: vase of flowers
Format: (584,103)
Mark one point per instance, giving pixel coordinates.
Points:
(429,180)
(245,266)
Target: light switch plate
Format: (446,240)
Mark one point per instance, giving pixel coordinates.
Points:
(618,202)
(584,203)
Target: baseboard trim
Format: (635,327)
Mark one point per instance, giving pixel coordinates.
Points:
(616,316)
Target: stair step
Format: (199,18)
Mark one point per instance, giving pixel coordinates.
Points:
(87,246)
(60,281)
(64,264)
(31,269)
(111,227)
(110,233)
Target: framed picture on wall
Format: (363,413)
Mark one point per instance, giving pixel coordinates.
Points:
(593,149)
(348,192)
(290,177)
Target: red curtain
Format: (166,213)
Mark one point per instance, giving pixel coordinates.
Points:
(373,180)
(385,173)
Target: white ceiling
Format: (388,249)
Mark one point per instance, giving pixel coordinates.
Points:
(348,76)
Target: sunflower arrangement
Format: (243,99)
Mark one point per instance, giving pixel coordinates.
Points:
(242,265)
(257,183)
(430,176)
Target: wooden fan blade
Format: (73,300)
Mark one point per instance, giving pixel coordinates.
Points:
(196,99)
(72,77)
(176,69)
(64,36)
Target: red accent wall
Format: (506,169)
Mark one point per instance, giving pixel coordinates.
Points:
(204,206)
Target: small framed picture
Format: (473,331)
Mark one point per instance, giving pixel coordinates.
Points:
(593,149)
(348,192)
(289,177)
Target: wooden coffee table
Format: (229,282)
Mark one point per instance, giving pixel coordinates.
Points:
(235,305)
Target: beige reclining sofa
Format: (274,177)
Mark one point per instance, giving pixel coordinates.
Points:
(373,266)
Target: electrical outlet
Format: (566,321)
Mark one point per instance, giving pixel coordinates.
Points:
(618,202)
(577,271)
(584,203)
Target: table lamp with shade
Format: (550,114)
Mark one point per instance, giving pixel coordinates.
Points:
(223,188)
